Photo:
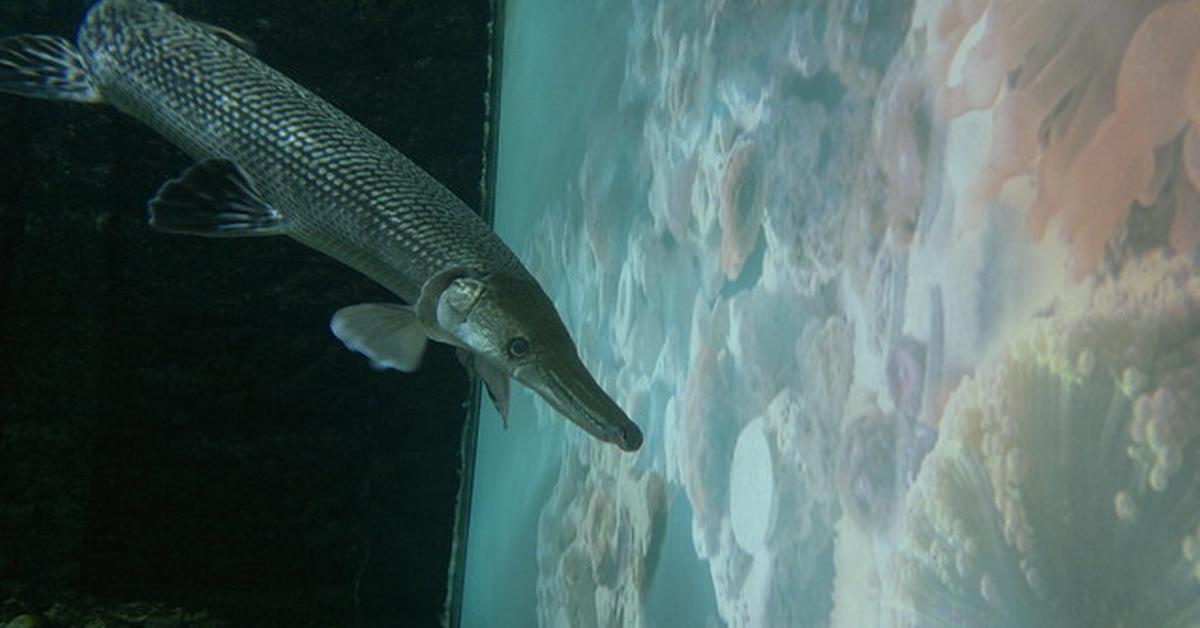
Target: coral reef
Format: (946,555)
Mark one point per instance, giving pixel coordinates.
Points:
(757,566)
(1064,489)
(743,154)
(709,422)
(898,141)
(753,503)
(741,203)
(862,36)
(866,473)
(906,375)
(786,580)
(1053,49)
(1118,165)
(597,546)
(1082,94)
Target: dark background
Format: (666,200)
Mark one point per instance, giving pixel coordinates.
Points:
(178,427)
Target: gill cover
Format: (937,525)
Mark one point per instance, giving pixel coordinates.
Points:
(447,300)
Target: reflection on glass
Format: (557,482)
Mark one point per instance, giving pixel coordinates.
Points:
(904,298)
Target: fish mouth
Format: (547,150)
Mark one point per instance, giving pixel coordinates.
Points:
(571,390)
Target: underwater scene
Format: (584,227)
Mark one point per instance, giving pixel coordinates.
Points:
(828,313)
(903,296)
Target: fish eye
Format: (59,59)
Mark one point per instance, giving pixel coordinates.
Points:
(518,347)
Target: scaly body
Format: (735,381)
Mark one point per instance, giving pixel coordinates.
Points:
(275,159)
(342,189)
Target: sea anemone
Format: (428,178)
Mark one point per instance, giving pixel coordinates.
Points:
(1064,488)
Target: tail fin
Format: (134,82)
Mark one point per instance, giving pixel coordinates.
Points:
(45,66)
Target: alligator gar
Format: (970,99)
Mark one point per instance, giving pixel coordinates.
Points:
(272,158)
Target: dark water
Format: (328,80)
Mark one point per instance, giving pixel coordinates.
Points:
(177,424)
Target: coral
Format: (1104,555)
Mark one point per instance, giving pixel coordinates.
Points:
(802,439)
(1119,164)
(906,375)
(708,423)
(900,108)
(741,207)
(753,504)
(773,567)
(861,37)
(769,552)
(814,153)
(1048,50)
(878,458)
(1082,95)
(751,152)
(866,471)
(758,318)
(1064,489)
(597,546)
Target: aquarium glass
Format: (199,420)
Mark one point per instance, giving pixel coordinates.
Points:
(902,294)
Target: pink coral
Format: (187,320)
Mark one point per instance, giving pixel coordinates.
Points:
(707,451)
(1118,164)
(1083,94)
(1061,58)
(741,208)
(1191,141)
(1185,229)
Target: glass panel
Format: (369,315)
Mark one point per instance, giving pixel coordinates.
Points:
(902,295)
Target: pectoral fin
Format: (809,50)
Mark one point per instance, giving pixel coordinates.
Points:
(495,381)
(390,335)
(214,198)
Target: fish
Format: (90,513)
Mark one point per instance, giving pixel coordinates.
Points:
(274,159)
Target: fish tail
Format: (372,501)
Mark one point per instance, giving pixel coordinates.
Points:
(45,66)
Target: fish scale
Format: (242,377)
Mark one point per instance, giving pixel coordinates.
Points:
(342,189)
(275,159)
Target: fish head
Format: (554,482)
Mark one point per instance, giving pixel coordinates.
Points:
(510,327)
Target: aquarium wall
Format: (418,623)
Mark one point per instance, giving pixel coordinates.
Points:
(903,295)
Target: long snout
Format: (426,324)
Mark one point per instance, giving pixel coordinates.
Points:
(571,390)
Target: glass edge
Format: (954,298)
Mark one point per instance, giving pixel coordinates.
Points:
(452,617)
